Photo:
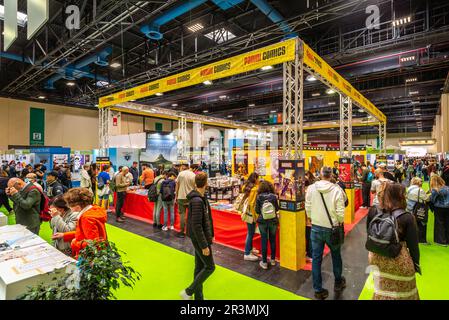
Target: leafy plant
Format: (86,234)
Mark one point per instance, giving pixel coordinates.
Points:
(99,272)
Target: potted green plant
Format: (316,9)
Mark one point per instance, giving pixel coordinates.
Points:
(99,272)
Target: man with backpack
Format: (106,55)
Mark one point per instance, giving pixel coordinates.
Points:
(367,178)
(325,206)
(27,203)
(54,187)
(168,200)
(154,195)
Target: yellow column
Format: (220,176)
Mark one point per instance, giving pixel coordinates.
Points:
(293,239)
(350,209)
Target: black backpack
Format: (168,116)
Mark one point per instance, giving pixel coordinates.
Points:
(166,192)
(383,237)
(152,191)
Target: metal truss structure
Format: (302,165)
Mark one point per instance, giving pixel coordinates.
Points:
(292,135)
(382,137)
(103,130)
(182,138)
(345,126)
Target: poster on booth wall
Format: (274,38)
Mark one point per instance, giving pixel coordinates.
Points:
(260,166)
(60,159)
(240,162)
(161,149)
(289,185)
(315,164)
(346,172)
(126,157)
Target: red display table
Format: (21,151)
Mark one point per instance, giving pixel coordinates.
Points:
(228,227)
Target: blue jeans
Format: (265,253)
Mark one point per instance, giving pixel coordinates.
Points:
(169,205)
(268,232)
(249,238)
(320,236)
(157,210)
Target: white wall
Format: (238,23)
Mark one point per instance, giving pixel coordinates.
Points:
(64,126)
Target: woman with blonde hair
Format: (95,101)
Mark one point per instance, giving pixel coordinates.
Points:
(439,202)
(394,278)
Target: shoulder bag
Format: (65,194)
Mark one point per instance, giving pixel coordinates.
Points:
(420,210)
(338,232)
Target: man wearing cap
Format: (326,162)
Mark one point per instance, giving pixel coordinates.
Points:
(387,174)
(54,187)
(320,195)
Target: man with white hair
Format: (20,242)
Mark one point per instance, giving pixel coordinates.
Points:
(32,178)
(122,182)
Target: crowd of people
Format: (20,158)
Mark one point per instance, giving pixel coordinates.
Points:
(394,199)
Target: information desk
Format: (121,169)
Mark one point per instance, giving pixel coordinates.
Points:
(26,260)
(228,227)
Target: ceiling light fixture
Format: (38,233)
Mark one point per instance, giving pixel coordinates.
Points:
(41,97)
(331,103)
(265,68)
(205,111)
(116,65)
(220,35)
(70,84)
(310,78)
(230,115)
(102,83)
(222,97)
(174,104)
(330,91)
(207,82)
(196,27)
(413,92)
(411,80)
(402,21)
(406,59)
(273,111)
(159,94)
(252,105)
(316,94)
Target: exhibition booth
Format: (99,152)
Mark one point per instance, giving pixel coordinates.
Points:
(258,151)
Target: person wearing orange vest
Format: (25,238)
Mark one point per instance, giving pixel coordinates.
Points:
(147,177)
(91,223)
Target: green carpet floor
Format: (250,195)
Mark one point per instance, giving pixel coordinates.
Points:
(166,271)
(433,284)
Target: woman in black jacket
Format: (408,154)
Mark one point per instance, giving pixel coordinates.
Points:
(200,229)
(394,278)
(267,204)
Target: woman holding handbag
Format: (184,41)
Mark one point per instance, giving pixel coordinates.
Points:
(417,203)
(249,215)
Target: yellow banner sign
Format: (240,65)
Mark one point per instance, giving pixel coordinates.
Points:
(270,55)
(314,61)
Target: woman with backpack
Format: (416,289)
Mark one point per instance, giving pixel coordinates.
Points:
(168,188)
(249,200)
(267,208)
(439,202)
(417,204)
(393,246)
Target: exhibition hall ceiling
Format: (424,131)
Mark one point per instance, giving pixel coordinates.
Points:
(395,52)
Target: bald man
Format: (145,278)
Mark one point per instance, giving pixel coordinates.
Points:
(32,177)
(26,199)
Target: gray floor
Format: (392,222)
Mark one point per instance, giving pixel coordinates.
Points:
(300,282)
